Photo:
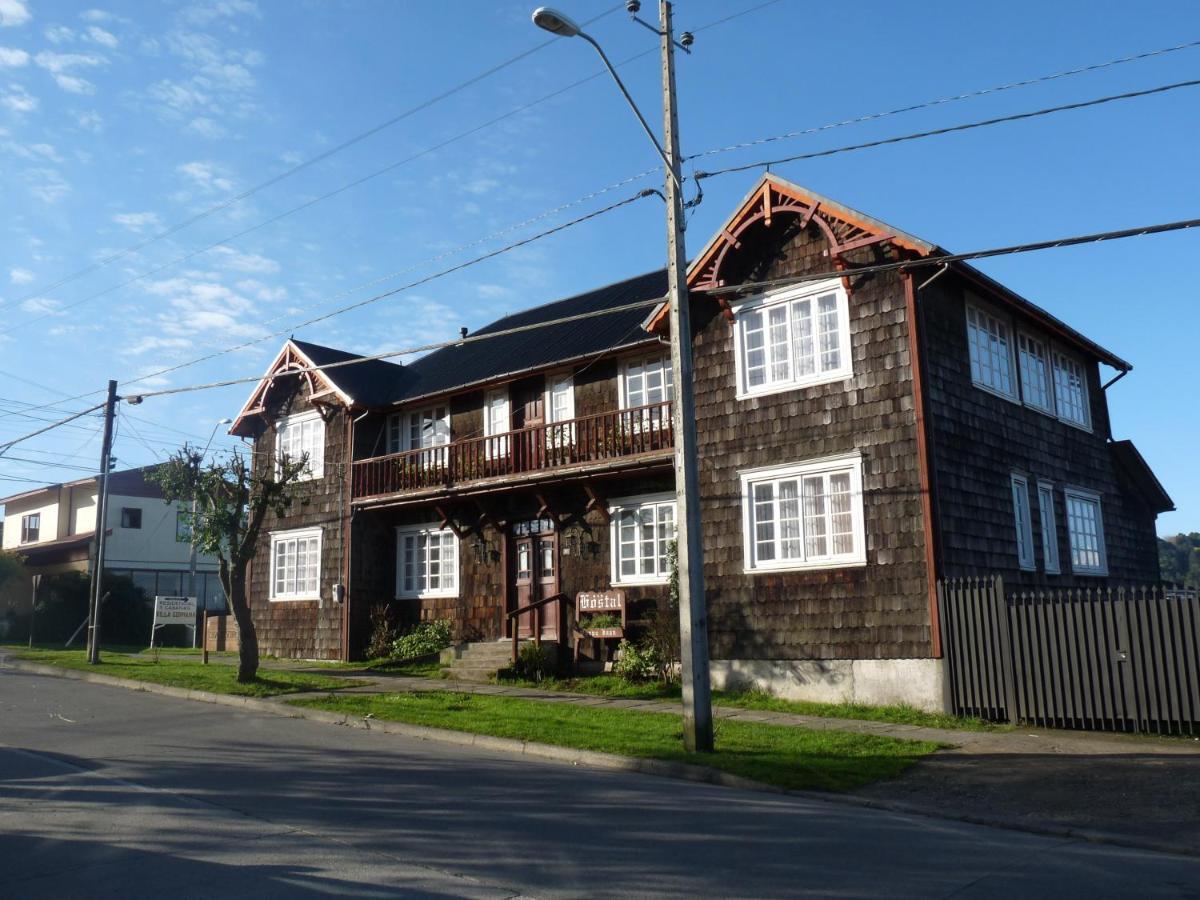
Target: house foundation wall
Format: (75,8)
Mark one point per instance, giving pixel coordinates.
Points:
(876,682)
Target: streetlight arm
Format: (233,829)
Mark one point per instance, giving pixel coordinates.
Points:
(637,112)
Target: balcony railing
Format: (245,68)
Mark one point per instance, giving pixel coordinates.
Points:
(600,438)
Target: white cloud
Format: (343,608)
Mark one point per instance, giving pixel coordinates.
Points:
(250,263)
(90,121)
(20,276)
(47,185)
(31,151)
(42,305)
(99,36)
(203,14)
(137,221)
(261,291)
(206,175)
(59,34)
(18,99)
(73,84)
(96,15)
(61,66)
(13,12)
(12,58)
(493,291)
(206,127)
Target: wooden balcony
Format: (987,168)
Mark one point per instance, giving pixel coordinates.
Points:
(603,440)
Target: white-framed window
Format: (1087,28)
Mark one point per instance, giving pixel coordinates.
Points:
(296,564)
(1036,386)
(299,436)
(803,516)
(497,421)
(1085,528)
(426,562)
(641,529)
(1070,390)
(1049,528)
(1022,522)
(646,381)
(421,429)
(31,528)
(792,338)
(989,340)
(560,408)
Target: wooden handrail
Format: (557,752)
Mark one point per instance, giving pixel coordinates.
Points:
(536,608)
(521,610)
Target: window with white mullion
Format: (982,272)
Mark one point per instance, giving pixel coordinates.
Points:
(790,341)
(302,437)
(496,421)
(427,562)
(642,529)
(1022,522)
(1085,528)
(1070,390)
(295,565)
(809,515)
(990,346)
(779,349)
(422,429)
(1036,385)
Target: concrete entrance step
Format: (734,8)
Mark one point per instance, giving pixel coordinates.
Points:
(479,661)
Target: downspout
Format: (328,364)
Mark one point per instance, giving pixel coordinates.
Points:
(1104,390)
(916,367)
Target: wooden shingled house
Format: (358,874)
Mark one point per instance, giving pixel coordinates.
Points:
(860,437)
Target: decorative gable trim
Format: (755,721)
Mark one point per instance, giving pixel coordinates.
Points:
(290,361)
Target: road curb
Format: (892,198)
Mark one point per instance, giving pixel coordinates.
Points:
(590,758)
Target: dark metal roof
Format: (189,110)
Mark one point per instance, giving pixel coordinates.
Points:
(375,382)
(460,366)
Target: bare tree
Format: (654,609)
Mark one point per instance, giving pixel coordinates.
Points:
(231,504)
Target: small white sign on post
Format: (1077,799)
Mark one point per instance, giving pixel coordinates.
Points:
(173,611)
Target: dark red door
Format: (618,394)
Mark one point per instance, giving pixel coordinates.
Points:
(535,575)
(529,416)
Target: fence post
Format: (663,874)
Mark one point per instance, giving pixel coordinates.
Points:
(1000,610)
(949,652)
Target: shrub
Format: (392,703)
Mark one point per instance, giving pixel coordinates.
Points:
(423,639)
(382,632)
(533,662)
(600,620)
(637,662)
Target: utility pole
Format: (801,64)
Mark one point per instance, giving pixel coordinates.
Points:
(693,611)
(110,407)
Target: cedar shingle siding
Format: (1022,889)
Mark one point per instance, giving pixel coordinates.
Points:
(877,611)
(979,439)
(302,628)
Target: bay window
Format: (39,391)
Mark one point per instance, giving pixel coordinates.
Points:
(792,338)
(806,515)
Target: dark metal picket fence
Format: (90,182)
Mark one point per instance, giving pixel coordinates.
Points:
(1112,659)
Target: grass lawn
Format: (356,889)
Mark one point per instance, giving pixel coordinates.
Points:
(612,686)
(412,668)
(774,754)
(216,677)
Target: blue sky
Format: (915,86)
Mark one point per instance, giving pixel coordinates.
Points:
(122,119)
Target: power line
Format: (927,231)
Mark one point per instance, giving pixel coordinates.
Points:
(1016,117)
(42,462)
(925,261)
(344,187)
(11,443)
(946,258)
(299,167)
(409,286)
(929,104)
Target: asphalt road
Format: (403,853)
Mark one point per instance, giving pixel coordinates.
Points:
(108,792)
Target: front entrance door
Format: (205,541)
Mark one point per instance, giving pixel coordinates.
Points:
(534,573)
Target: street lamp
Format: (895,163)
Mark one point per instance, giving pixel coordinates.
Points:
(196,461)
(693,625)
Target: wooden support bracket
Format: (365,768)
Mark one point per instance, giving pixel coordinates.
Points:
(597,502)
(448,522)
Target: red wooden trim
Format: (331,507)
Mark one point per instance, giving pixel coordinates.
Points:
(766,198)
(923,462)
(865,241)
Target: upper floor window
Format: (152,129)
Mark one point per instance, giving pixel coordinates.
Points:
(296,565)
(560,408)
(426,562)
(31,527)
(131,517)
(419,429)
(807,515)
(302,436)
(1023,522)
(642,529)
(1035,372)
(793,338)
(1070,389)
(1085,528)
(497,421)
(646,381)
(990,343)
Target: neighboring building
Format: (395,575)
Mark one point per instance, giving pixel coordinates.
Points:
(54,530)
(859,438)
